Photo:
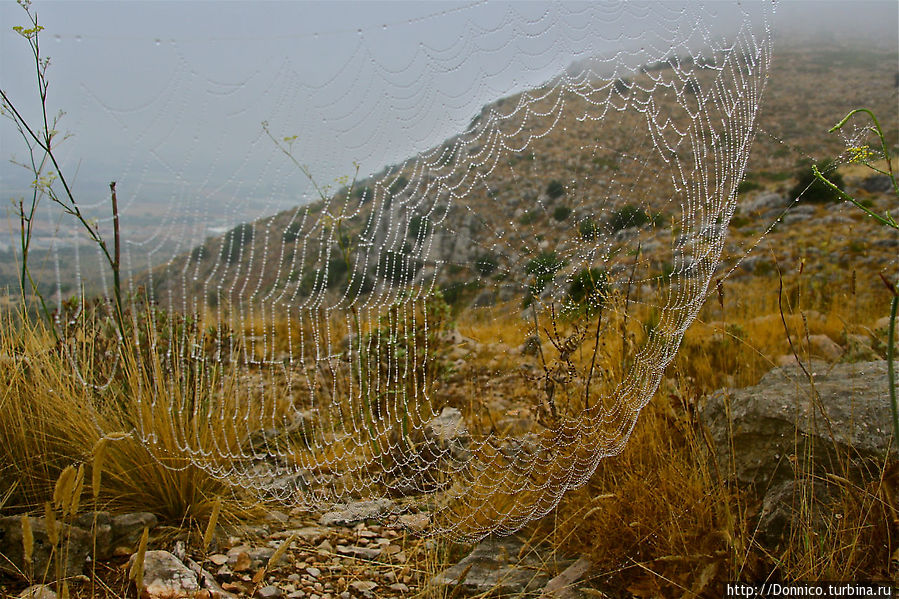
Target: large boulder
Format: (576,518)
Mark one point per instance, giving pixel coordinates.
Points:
(166,577)
(762,434)
(75,541)
(121,531)
(495,566)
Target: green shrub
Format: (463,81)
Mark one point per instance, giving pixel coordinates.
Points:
(815,191)
(199,253)
(398,185)
(419,227)
(358,285)
(337,268)
(364,194)
(555,189)
(627,217)
(588,288)
(561,213)
(543,268)
(455,293)
(235,240)
(589,230)
(528,217)
(291,233)
(747,185)
(398,267)
(485,264)
(546,262)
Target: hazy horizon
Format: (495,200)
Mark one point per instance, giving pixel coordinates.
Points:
(168,99)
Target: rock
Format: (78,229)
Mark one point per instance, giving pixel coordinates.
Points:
(561,587)
(771,422)
(261,555)
(799,213)
(877,184)
(447,430)
(277,517)
(242,561)
(128,528)
(218,559)
(307,533)
(357,551)
(208,582)
(38,591)
(493,566)
(357,511)
(782,509)
(883,324)
(268,592)
(364,586)
(165,577)
(76,551)
(824,347)
(115,532)
(415,523)
(764,202)
(99,524)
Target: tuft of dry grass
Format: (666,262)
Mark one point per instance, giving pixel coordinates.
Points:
(53,426)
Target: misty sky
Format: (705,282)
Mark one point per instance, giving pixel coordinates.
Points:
(167,98)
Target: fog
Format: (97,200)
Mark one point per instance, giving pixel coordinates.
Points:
(168,98)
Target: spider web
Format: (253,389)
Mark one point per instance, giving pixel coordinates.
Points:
(582,215)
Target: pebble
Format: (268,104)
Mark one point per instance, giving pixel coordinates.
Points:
(364,586)
(218,559)
(269,592)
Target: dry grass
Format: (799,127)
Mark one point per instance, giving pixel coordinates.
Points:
(657,520)
(53,420)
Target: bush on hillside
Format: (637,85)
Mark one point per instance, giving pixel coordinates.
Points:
(815,191)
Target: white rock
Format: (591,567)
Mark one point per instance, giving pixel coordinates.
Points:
(165,577)
(38,591)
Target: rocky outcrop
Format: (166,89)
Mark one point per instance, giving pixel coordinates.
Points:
(494,566)
(788,437)
(75,540)
(116,532)
(761,432)
(507,567)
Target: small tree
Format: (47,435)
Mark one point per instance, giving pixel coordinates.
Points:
(235,240)
(629,216)
(812,189)
(561,213)
(485,264)
(555,189)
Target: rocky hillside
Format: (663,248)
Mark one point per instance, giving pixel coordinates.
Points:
(531,213)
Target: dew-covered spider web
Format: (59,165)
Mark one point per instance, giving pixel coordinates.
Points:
(535,197)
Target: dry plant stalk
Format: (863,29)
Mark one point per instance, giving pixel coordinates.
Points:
(74,500)
(27,544)
(136,572)
(279,552)
(52,528)
(213,520)
(97,468)
(64,485)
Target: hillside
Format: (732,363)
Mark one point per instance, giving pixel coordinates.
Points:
(558,196)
